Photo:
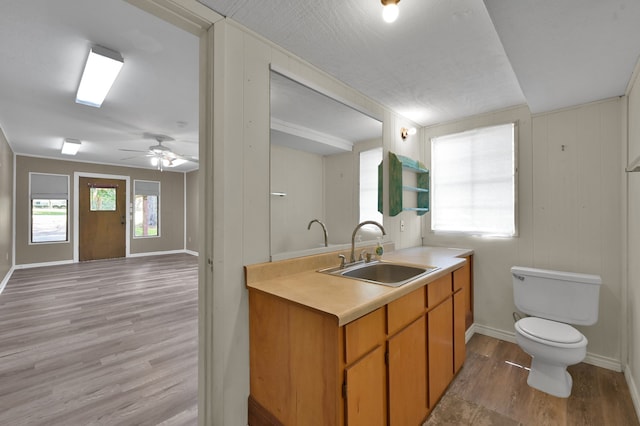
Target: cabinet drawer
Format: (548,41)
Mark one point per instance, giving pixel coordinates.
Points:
(402,311)
(364,334)
(438,290)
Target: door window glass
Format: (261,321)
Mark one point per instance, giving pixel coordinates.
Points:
(102,199)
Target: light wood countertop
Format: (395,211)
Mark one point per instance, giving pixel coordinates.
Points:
(346,299)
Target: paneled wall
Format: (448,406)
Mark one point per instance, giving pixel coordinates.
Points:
(241,189)
(632,297)
(6,207)
(191,210)
(300,175)
(569,214)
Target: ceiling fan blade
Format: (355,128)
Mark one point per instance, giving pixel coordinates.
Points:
(183,157)
(130,150)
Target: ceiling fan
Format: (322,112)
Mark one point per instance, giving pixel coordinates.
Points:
(162,156)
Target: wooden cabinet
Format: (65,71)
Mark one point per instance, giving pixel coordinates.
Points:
(408,375)
(390,366)
(440,336)
(459,349)
(463,280)
(365,390)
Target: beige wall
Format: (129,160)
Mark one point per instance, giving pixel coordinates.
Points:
(6,207)
(241,190)
(569,210)
(171,218)
(193,230)
(632,296)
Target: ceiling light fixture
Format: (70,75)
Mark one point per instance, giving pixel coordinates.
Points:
(404,132)
(390,10)
(100,71)
(70,146)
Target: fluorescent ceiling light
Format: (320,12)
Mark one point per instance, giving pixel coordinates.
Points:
(70,146)
(101,70)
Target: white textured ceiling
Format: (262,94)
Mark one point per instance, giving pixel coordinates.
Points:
(444,59)
(569,52)
(441,60)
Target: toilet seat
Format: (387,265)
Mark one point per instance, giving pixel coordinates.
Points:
(550,332)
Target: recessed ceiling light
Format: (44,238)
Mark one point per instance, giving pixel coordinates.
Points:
(70,146)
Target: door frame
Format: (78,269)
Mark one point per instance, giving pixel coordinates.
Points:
(76,210)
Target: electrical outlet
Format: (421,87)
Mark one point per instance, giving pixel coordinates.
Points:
(401,225)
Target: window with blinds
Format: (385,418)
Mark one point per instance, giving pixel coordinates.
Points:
(146,208)
(473,177)
(49,196)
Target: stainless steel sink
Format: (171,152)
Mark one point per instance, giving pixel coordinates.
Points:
(384,273)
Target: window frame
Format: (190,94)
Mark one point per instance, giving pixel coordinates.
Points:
(133,208)
(31,199)
(515,151)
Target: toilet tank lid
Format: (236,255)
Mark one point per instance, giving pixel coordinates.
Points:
(552,331)
(558,275)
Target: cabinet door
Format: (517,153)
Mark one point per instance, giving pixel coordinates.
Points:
(459,349)
(408,375)
(440,340)
(462,279)
(366,390)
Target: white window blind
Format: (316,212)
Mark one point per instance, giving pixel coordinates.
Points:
(49,187)
(474,180)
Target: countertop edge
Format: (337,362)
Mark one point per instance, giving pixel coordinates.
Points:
(351,299)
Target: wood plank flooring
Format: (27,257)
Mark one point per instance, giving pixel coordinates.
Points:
(110,342)
(492,389)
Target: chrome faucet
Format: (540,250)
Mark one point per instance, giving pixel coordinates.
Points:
(324,230)
(355,231)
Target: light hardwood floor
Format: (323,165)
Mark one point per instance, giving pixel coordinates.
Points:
(108,342)
(492,389)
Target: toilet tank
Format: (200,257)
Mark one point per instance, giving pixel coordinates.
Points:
(566,297)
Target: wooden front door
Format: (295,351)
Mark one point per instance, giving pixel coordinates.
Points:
(102,219)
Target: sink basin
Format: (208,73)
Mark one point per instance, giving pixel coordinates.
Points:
(389,274)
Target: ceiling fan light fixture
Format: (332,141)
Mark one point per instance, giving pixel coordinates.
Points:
(390,10)
(102,67)
(154,161)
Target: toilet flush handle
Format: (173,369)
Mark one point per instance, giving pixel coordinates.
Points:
(520,277)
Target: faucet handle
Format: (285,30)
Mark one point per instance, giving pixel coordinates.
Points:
(342,260)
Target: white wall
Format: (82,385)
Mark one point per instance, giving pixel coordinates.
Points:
(569,210)
(241,191)
(632,297)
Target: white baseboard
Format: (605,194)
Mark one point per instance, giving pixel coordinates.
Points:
(509,336)
(633,390)
(38,265)
(156,253)
(66,262)
(192,253)
(6,278)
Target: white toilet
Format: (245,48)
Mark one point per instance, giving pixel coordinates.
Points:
(554,299)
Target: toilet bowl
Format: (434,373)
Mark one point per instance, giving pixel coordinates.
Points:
(553,346)
(554,299)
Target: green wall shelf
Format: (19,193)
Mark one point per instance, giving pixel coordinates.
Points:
(398,163)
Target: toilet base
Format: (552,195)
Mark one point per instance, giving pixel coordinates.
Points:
(549,378)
